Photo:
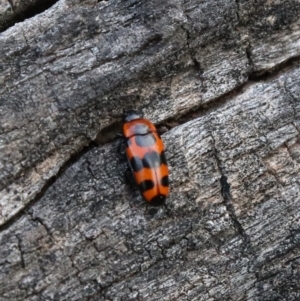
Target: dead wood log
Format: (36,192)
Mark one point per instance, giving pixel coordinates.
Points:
(225,77)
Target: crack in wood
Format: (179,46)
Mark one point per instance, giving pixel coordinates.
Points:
(21,252)
(249,57)
(25,10)
(225,192)
(266,74)
(41,222)
(73,159)
(237,2)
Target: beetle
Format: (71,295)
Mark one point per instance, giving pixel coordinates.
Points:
(146,156)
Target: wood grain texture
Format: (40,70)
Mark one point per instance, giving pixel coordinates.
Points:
(67,71)
(230,230)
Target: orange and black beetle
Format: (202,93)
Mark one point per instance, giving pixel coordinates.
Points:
(146,157)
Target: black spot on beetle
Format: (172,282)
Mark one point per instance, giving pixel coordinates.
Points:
(165,181)
(158,200)
(136,164)
(146,185)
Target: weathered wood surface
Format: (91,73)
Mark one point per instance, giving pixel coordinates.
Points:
(231,227)
(65,72)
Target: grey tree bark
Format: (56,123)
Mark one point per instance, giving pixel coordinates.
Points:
(222,79)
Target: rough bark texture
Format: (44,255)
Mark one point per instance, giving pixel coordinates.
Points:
(221,74)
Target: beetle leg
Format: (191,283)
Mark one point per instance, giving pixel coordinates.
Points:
(122,148)
(129,178)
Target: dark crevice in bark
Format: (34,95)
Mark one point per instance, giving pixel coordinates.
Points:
(41,222)
(110,132)
(263,75)
(225,192)
(248,54)
(21,253)
(73,159)
(293,100)
(237,2)
(220,101)
(29,12)
(191,50)
(197,65)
